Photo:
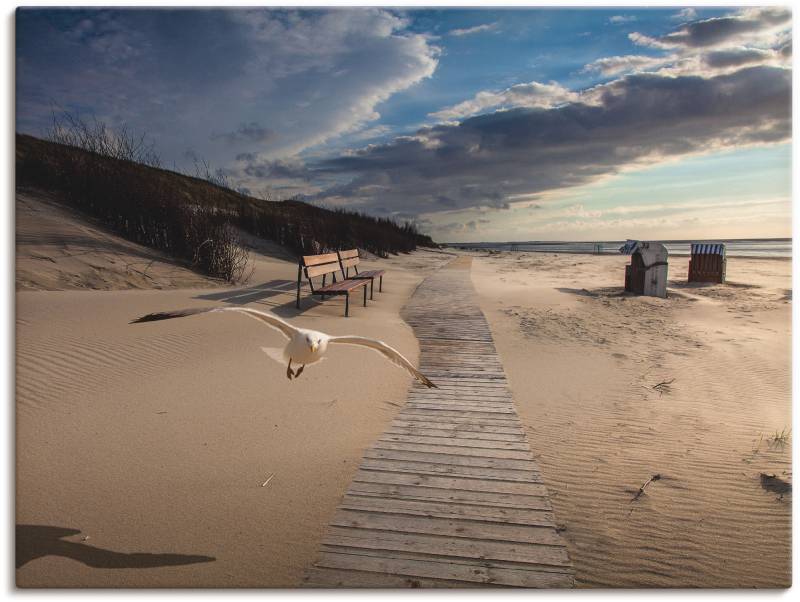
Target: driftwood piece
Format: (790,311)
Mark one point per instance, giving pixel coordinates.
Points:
(639,493)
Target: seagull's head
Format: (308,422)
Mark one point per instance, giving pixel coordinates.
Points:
(313,342)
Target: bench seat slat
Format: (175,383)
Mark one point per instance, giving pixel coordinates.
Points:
(342,286)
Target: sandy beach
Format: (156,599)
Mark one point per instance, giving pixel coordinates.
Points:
(178,454)
(583,361)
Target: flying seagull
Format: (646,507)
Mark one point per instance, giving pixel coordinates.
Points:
(304,346)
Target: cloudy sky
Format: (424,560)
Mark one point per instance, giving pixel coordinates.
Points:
(535,124)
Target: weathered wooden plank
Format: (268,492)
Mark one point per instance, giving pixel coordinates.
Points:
(353,578)
(436,416)
(437,494)
(457,418)
(478,398)
(461,407)
(477,417)
(458,547)
(451,470)
(467,385)
(450,459)
(474,405)
(447,389)
(422,430)
(454,441)
(445,573)
(465,406)
(475,562)
(520,516)
(447,527)
(463,427)
(450,450)
(446,482)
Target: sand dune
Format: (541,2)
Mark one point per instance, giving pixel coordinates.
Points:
(142,449)
(583,361)
(59,249)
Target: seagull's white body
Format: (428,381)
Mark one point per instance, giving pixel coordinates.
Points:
(299,350)
(305,347)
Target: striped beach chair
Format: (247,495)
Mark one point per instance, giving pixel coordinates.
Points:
(707,263)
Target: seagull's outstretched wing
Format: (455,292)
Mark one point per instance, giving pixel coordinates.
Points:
(267,318)
(386,351)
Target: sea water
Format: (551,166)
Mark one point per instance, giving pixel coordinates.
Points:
(753,247)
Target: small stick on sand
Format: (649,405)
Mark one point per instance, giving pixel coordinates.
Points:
(269,478)
(655,477)
(663,386)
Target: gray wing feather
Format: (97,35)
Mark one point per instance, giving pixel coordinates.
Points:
(269,319)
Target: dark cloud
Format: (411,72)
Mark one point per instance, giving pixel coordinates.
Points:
(644,117)
(274,170)
(749,23)
(246,133)
(736,57)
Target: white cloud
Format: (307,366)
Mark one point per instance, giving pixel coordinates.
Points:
(614,65)
(343,63)
(531,95)
(473,30)
(685,14)
(621,19)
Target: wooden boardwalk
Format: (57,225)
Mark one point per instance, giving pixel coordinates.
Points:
(449,496)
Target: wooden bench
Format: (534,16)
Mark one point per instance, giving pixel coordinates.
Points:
(349,259)
(321,265)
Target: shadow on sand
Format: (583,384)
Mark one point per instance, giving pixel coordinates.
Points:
(251,294)
(262,295)
(612,291)
(38,541)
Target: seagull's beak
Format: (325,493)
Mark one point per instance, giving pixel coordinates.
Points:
(314,347)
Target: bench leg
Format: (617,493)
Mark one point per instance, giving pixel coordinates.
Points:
(299,279)
(346,304)
(371,288)
(365,295)
(380,285)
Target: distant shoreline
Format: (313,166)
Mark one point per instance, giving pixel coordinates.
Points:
(752,248)
(607,253)
(613,242)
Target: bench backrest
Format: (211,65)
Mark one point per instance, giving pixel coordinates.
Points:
(349,259)
(320,265)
